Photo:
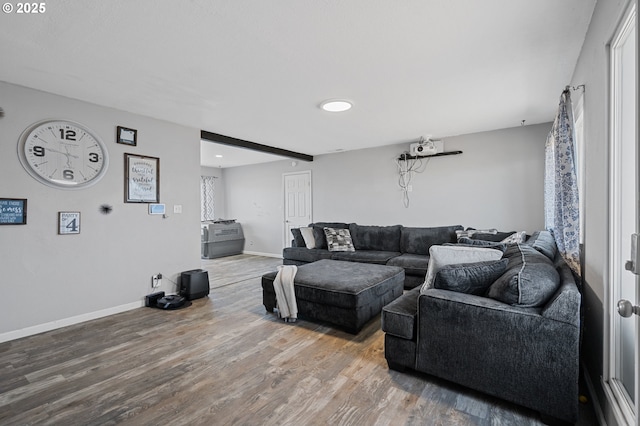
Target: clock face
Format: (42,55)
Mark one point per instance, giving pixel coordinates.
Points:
(63,154)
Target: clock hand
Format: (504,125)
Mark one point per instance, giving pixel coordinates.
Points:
(68,154)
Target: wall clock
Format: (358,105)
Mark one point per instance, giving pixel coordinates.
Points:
(63,154)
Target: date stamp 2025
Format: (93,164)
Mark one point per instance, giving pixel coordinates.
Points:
(24,8)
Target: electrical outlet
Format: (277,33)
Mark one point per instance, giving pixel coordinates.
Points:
(156,280)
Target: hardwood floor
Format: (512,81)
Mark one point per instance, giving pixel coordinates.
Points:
(225,361)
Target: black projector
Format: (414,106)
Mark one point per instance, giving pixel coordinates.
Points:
(194,284)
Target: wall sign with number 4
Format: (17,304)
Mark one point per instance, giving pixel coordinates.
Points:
(63,154)
(68,223)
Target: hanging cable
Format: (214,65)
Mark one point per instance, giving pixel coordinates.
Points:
(407,166)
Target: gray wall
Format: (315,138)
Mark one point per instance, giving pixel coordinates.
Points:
(592,71)
(53,280)
(496,182)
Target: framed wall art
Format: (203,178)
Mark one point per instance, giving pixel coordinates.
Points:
(142,179)
(13,211)
(68,223)
(127,136)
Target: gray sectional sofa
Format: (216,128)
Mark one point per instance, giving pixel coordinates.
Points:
(517,340)
(396,245)
(508,326)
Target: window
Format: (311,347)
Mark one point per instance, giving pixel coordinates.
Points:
(207,191)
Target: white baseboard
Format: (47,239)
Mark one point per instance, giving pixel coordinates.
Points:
(41,328)
(257,253)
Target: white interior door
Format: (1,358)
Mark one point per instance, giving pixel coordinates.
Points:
(624,355)
(297,202)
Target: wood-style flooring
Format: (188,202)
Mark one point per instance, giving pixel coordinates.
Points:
(225,361)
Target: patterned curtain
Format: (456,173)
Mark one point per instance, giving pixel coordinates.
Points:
(207,188)
(561,202)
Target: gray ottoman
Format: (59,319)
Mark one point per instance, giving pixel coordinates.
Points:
(346,294)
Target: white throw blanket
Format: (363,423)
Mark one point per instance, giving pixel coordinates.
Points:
(285,293)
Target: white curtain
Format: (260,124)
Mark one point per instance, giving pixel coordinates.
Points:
(207,188)
(561,200)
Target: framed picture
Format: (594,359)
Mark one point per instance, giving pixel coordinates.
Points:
(142,179)
(127,136)
(13,211)
(68,223)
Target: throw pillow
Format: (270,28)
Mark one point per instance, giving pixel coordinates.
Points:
(530,280)
(440,256)
(307,235)
(338,239)
(471,278)
(298,239)
(544,242)
(482,243)
(495,237)
(515,238)
(470,232)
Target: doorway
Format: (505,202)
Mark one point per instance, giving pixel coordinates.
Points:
(297,202)
(622,371)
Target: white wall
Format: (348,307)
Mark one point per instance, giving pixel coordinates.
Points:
(496,182)
(52,280)
(592,71)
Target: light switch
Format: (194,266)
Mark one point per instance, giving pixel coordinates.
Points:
(177,208)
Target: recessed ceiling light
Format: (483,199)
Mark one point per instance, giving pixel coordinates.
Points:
(218,156)
(336,105)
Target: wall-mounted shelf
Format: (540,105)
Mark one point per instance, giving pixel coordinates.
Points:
(404,157)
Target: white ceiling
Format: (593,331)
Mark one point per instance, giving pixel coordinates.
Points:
(258,69)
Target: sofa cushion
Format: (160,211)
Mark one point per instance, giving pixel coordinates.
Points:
(530,280)
(298,239)
(303,254)
(365,256)
(399,317)
(383,238)
(318,232)
(471,278)
(413,264)
(440,256)
(419,240)
(544,242)
(338,239)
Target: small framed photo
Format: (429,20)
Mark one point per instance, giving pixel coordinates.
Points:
(68,223)
(127,136)
(13,211)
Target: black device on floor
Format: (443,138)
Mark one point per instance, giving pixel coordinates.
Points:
(194,284)
(171,302)
(151,300)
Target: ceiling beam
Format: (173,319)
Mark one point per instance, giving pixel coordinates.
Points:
(240,143)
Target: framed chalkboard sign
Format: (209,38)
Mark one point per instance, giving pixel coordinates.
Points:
(13,211)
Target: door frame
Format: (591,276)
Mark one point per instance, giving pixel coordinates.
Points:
(623,411)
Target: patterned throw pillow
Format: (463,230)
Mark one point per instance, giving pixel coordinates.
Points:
(470,232)
(515,238)
(338,239)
